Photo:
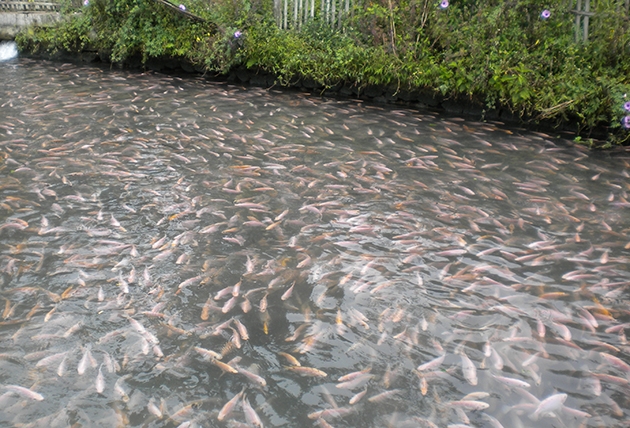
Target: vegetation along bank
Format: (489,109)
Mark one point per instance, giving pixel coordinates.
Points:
(551,61)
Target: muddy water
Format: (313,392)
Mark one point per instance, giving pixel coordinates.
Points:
(175,252)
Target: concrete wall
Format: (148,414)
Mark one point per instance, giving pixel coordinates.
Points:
(16,15)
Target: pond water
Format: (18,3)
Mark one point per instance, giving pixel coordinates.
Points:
(177,252)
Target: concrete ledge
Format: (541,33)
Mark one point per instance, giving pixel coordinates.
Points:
(12,22)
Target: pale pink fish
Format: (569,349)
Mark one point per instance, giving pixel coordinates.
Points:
(263,304)
(229,406)
(224,292)
(495,359)
(512,382)
(190,281)
(589,317)
(338,412)
(251,205)
(304,263)
(288,293)
(563,330)
(469,370)
(253,377)
(124,285)
(246,305)
(575,412)
(249,266)
(147,277)
(250,414)
(470,404)
(354,375)
(154,410)
(549,404)
(229,304)
(61,370)
(207,353)
(384,395)
(25,392)
(51,359)
(540,328)
(236,289)
(100,380)
(157,244)
(86,360)
(110,364)
(137,325)
(432,365)
(236,338)
(116,224)
(241,329)
(453,252)
(358,396)
(355,381)
(237,239)
(615,361)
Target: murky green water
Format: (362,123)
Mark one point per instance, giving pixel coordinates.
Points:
(168,244)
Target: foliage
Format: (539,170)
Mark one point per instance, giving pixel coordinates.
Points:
(501,54)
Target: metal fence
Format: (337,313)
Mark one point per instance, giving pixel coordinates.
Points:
(295,13)
(583,13)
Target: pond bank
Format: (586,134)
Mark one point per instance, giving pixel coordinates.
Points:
(378,94)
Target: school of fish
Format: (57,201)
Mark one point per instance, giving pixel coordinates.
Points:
(176,252)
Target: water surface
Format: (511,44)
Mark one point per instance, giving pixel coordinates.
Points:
(168,243)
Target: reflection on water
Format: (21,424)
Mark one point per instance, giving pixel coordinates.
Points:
(180,253)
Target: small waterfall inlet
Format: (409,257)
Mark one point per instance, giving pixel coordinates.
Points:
(8,50)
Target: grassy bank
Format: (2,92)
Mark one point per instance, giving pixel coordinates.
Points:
(519,54)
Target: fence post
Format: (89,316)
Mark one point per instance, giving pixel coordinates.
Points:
(582,20)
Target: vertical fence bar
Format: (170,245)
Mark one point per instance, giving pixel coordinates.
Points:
(333,12)
(332,19)
(578,17)
(587,9)
(328,11)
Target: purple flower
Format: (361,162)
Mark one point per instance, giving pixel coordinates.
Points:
(237,34)
(182,7)
(444,4)
(625,122)
(626,106)
(545,14)
(86,2)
